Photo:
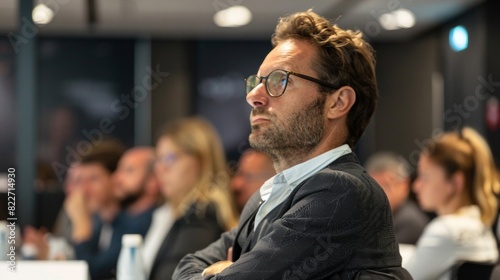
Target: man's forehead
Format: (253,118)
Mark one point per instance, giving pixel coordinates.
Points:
(139,153)
(135,159)
(289,55)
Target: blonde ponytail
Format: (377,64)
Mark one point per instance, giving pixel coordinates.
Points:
(467,152)
(485,179)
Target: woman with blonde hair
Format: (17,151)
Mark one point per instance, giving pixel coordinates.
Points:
(191,169)
(458,181)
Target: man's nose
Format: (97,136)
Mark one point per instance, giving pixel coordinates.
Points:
(258,96)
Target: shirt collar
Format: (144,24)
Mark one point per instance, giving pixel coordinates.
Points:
(298,173)
(294,175)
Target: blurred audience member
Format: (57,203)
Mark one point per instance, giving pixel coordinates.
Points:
(41,241)
(392,173)
(137,188)
(72,182)
(192,173)
(457,180)
(254,168)
(46,178)
(133,187)
(94,211)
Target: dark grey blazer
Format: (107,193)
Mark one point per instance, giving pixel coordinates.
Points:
(337,224)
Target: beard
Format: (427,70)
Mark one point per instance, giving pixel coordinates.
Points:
(131,197)
(296,135)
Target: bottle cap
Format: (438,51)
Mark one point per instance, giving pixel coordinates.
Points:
(131,240)
(29,251)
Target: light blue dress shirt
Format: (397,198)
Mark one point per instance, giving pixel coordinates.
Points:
(280,186)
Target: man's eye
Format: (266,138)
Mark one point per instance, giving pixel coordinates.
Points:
(283,81)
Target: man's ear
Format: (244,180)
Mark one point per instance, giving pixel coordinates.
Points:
(340,102)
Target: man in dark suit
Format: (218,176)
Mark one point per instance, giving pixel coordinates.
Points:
(391,171)
(321,216)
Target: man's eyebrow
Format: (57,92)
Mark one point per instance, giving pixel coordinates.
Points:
(281,66)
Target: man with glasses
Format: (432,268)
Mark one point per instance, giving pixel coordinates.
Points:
(321,216)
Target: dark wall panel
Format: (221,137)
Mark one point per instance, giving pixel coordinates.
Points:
(221,67)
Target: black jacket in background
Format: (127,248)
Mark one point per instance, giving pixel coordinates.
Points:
(190,233)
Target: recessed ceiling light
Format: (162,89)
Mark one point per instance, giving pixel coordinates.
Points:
(400,18)
(388,21)
(405,18)
(234,16)
(42,14)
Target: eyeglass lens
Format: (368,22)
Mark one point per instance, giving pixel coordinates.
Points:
(275,82)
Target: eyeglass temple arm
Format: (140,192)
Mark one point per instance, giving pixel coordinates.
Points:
(326,84)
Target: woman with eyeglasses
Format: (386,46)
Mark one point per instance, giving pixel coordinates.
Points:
(191,168)
(457,180)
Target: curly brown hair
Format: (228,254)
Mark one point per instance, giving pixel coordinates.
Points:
(343,59)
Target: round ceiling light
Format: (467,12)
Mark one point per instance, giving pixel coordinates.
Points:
(234,16)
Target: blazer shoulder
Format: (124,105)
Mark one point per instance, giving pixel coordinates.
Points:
(343,175)
(345,178)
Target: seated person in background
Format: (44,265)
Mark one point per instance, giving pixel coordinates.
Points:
(137,188)
(56,247)
(72,182)
(191,168)
(94,211)
(392,173)
(321,216)
(254,168)
(457,180)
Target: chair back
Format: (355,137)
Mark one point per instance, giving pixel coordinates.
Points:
(472,270)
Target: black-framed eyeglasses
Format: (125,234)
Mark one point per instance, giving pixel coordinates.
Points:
(277,81)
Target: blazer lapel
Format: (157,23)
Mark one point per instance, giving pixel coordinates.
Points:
(245,228)
(246,234)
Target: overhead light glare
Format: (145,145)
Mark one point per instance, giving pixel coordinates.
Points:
(400,18)
(42,14)
(405,18)
(388,21)
(234,16)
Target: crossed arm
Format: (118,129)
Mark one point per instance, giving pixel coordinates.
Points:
(192,266)
(316,236)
